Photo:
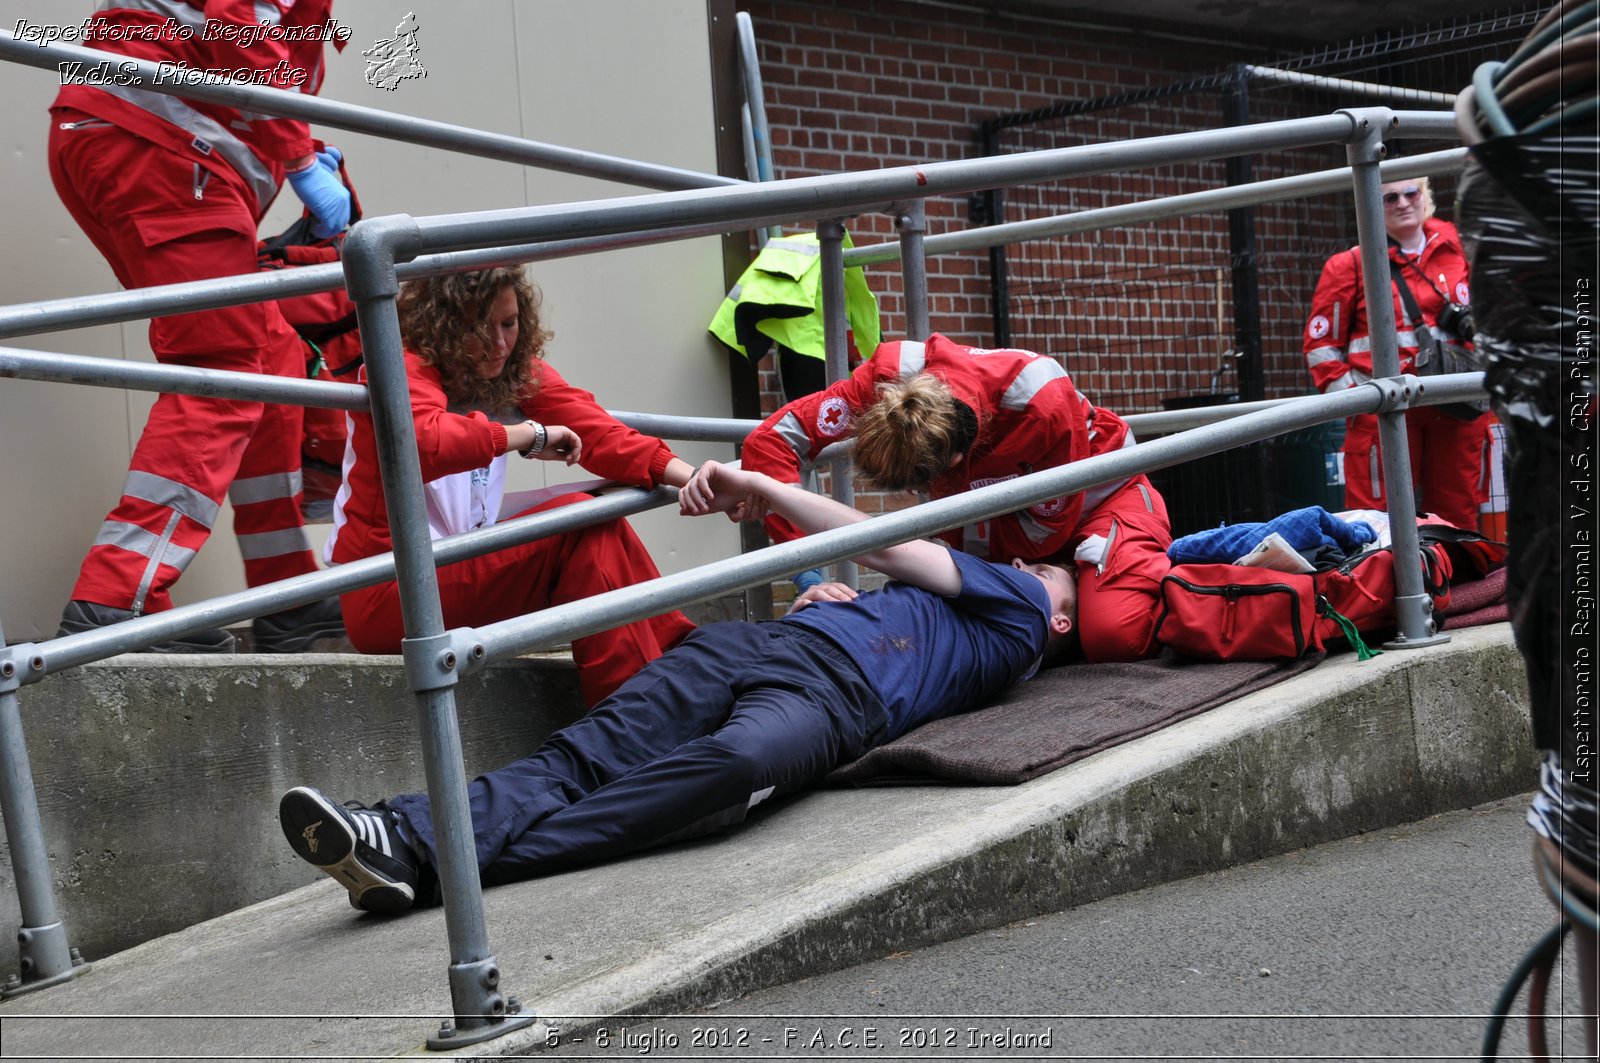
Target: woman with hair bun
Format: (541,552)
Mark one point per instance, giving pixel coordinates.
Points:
(941,418)
(481,389)
(1448,454)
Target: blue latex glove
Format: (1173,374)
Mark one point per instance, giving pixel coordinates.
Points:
(804,581)
(320,189)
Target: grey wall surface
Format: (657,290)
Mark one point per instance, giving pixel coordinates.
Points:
(158,778)
(630,78)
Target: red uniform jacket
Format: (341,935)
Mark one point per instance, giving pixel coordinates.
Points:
(1029,418)
(1337,344)
(218,35)
(453,442)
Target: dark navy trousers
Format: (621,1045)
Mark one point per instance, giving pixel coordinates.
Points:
(735,713)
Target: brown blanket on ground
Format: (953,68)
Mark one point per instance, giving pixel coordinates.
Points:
(1060,716)
(1065,714)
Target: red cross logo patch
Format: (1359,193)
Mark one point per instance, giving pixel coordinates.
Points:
(833,417)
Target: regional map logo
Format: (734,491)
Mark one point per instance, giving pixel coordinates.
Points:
(392,61)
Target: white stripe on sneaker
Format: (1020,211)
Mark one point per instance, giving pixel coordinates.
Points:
(370,825)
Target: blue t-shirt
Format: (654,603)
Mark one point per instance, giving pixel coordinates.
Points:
(929,656)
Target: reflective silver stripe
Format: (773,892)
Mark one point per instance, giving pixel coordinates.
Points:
(760,796)
(172,494)
(238,155)
(1032,528)
(1340,383)
(1105,555)
(1149,506)
(1028,383)
(157,548)
(137,540)
(1321,355)
(797,246)
(975,539)
(735,292)
(273,544)
(913,358)
(1334,332)
(265,488)
(268,12)
(792,432)
(1404,338)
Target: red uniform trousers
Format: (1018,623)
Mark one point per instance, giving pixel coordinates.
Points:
(159,219)
(551,571)
(1449,464)
(1118,597)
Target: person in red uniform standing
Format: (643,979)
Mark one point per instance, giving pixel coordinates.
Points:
(941,418)
(1447,454)
(480,389)
(170,189)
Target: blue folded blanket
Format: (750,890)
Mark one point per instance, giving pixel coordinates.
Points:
(1312,531)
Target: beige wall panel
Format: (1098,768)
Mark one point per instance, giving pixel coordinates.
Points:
(623,77)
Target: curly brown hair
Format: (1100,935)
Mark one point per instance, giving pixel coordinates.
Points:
(908,437)
(438,314)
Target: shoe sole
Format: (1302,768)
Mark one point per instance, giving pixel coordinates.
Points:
(321,836)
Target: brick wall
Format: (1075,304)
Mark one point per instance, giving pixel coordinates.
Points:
(848,89)
(1141,315)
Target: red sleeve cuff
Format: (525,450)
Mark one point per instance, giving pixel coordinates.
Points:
(658,464)
(497,436)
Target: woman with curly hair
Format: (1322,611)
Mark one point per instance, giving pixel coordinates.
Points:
(480,389)
(939,417)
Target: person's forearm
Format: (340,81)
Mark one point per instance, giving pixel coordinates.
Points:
(677,472)
(921,563)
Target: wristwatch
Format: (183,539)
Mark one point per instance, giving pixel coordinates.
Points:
(540,438)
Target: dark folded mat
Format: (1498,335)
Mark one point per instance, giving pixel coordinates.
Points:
(1477,602)
(1060,716)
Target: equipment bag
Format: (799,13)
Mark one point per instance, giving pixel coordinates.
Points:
(1237,613)
(1357,597)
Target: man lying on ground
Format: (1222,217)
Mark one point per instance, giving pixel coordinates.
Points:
(735,714)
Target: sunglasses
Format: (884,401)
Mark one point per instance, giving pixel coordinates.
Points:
(1391,199)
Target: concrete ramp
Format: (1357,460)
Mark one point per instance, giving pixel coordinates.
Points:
(821,882)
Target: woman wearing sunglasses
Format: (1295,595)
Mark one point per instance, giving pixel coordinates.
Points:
(1447,453)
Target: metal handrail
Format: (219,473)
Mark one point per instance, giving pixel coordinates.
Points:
(53,315)
(1214,199)
(474,647)
(260,99)
(436,658)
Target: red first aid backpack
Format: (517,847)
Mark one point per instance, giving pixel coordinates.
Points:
(1227,612)
(1223,612)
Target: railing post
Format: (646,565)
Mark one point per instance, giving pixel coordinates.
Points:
(912,223)
(1413,607)
(481,1011)
(45,957)
(830,238)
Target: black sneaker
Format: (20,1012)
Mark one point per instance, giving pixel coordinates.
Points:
(359,846)
(81,616)
(294,630)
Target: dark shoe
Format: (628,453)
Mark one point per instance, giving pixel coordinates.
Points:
(294,630)
(80,616)
(359,846)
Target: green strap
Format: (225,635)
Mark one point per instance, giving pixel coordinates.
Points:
(1363,651)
